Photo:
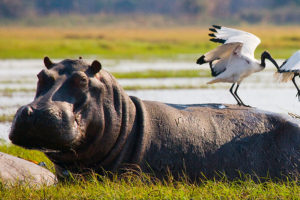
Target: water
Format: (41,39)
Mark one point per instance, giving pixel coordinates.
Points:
(275,100)
(259,90)
(4,130)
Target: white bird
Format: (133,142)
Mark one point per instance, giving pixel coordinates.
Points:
(290,69)
(233,60)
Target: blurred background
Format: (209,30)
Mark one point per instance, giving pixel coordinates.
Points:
(148,12)
(150,46)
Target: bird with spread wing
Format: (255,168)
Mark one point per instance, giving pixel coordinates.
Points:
(289,69)
(233,60)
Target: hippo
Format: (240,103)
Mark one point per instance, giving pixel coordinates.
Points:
(84,122)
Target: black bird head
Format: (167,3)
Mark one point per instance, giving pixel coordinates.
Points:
(266,55)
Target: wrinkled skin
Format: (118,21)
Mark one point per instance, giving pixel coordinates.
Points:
(84,121)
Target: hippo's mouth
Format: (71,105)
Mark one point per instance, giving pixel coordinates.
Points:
(40,144)
(46,139)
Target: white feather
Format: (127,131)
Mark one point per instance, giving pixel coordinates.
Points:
(230,35)
(292,64)
(221,55)
(289,68)
(234,60)
(237,68)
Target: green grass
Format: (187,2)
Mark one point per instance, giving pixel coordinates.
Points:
(144,186)
(33,155)
(73,48)
(171,43)
(163,74)
(140,188)
(12,90)
(9,91)
(6,118)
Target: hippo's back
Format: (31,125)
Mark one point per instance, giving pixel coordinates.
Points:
(210,138)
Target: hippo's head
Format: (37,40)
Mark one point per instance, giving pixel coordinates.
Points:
(77,110)
(53,121)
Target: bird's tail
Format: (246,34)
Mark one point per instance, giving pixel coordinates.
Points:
(214,81)
(283,77)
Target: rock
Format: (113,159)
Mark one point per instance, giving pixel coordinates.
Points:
(15,170)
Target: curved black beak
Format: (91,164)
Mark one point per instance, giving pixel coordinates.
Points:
(266,55)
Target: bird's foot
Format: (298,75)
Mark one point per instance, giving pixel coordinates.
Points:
(241,104)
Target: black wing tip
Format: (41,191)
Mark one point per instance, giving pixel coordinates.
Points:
(217,40)
(213,30)
(201,60)
(217,26)
(212,35)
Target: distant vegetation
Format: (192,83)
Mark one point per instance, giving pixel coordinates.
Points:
(142,43)
(30,12)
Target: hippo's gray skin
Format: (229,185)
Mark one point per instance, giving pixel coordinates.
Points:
(83,120)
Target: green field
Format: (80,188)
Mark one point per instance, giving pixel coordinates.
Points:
(162,74)
(144,186)
(132,43)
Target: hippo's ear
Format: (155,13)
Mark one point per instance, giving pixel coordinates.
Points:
(48,63)
(95,67)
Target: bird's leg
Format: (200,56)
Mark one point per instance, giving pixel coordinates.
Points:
(237,99)
(298,93)
(210,65)
(211,69)
(237,96)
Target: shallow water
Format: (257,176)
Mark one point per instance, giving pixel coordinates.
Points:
(259,90)
(21,74)
(4,130)
(282,101)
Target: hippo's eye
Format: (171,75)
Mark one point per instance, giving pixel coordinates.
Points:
(79,80)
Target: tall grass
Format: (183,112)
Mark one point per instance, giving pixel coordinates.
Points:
(17,42)
(139,188)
